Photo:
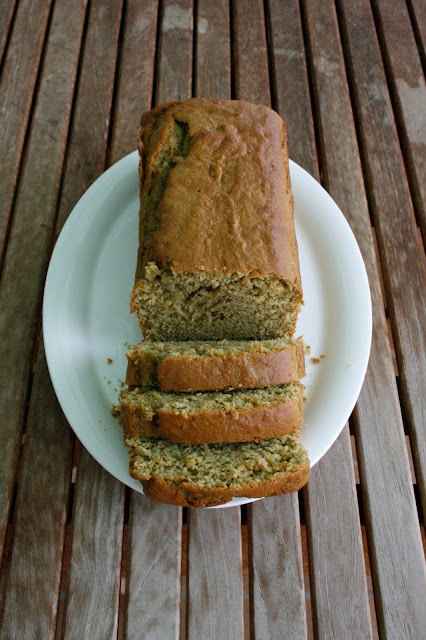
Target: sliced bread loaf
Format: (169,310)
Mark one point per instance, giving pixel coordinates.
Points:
(226,364)
(211,416)
(218,255)
(209,475)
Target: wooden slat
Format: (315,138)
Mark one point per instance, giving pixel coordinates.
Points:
(95,558)
(276,569)
(400,252)
(16,92)
(418,13)
(291,83)
(153,570)
(334,529)
(277,594)
(250,55)
(135,77)
(330,495)
(213,52)
(26,259)
(174,74)
(215,587)
(152,596)
(6,13)
(97,520)
(40,517)
(382,457)
(409,93)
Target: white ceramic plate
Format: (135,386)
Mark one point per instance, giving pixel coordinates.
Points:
(86,317)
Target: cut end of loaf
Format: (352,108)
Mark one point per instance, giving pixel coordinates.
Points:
(209,306)
(216,466)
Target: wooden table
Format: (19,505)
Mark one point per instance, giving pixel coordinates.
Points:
(82,556)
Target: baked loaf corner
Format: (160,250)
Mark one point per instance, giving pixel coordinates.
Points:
(218,252)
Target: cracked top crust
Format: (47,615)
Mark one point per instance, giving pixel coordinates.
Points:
(224,204)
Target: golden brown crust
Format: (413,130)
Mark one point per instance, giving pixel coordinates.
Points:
(187,495)
(241,371)
(237,167)
(203,427)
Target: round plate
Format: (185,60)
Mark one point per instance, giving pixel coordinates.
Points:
(86,319)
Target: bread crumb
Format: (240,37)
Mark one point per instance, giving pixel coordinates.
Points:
(109,360)
(315,360)
(308,349)
(323,355)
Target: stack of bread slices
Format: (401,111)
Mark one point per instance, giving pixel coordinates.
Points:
(214,404)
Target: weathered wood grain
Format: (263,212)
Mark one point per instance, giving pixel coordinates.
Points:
(19,71)
(382,456)
(135,75)
(6,13)
(334,528)
(418,17)
(401,256)
(89,131)
(215,588)
(276,569)
(27,253)
(95,553)
(39,519)
(174,73)
(213,50)
(291,87)
(250,54)
(408,91)
(332,500)
(97,520)
(153,570)
(154,545)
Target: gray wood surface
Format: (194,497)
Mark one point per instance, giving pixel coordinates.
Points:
(39,518)
(213,50)
(152,602)
(274,527)
(382,456)
(97,519)
(401,255)
(250,56)
(6,13)
(418,20)
(339,593)
(215,585)
(290,81)
(92,592)
(408,91)
(135,75)
(174,73)
(153,570)
(28,248)
(276,569)
(20,70)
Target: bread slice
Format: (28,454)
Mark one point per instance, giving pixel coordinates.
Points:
(218,254)
(212,416)
(205,366)
(209,475)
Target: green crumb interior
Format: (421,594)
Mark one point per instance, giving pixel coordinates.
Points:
(216,465)
(207,349)
(151,402)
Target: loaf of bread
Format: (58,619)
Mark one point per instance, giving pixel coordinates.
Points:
(205,366)
(210,475)
(212,416)
(218,254)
